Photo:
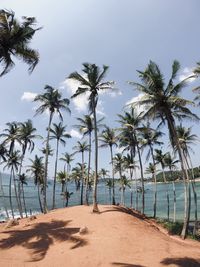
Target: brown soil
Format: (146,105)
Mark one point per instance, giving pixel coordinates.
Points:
(115,237)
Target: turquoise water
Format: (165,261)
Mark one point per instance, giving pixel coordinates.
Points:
(103,198)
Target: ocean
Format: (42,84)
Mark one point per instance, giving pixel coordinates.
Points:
(32,202)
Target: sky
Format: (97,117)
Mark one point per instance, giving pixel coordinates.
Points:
(123,34)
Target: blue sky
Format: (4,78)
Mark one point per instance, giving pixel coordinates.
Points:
(124,34)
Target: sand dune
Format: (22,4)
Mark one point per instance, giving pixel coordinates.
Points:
(115,237)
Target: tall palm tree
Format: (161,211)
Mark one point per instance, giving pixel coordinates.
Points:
(186,139)
(103,173)
(163,102)
(3,157)
(124,183)
(62,178)
(37,171)
(86,127)
(22,180)
(53,102)
(58,132)
(171,162)
(109,139)
(82,148)
(67,158)
(10,135)
(131,122)
(109,184)
(150,137)
(15,38)
(92,82)
(160,159)
(13,163)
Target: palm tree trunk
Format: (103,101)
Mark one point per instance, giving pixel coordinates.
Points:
(40,203)
(195,198)
(174,192)
(155,183)
(88,174)
(95,206)
(131,178)
(141,171)
(24,202)
(136,201)
(10,194)
(55,173)
(82,178)
(172,128)
(113,178)
(15,188)
(4,204)
(19,184)
(167,193)
(46,166)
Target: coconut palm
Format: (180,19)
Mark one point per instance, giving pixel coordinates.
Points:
(10,135)
(151,169)
(3,156)
(186,139)
(163,102)
(58,132)
(92,82)
(130,125)
(53,102)
(109,139)
(124,183)
(15,38)
(109,184)
(82,148)
(86,127)
(37,171)
(103,173)
(13,163)
(62,178)
(171,162)
(149,138)
(22,180)
(67,158)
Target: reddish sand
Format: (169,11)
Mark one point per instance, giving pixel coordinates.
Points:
(115,238)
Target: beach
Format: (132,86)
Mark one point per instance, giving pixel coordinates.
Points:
(75,237)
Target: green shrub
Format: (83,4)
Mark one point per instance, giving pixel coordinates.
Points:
(173,228)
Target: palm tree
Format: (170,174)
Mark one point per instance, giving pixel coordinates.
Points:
(25,135)
(81,148)
(22,181)
(171,164)
(151,169)
(130,122)
(3,157)
(103,173)
(163,102)
(10,135)
(37,171)
(62,178)
(52,102)
(15,38)
(13,163)
(160,159)
(109,184)
(186,139)
(58,133)
(109,139)
(124,182)
(149,138)
(92,82)
(86,127)
(67,158)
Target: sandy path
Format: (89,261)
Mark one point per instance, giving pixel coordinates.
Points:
(115,238)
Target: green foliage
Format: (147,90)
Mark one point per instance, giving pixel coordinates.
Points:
(174,228)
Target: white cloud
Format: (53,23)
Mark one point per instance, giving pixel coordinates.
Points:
(186,72)
(134,100)
(28,96)
(75,134)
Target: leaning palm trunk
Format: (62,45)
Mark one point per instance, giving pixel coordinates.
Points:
(88,174)
(174,193)
(1,189)
(113,178)
(46,166)
(171,124)
(55,173)
(95,206)
(142,176)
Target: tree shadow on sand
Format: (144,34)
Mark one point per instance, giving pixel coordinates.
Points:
(121,264)
(41,236)
(125,210)
(182,262)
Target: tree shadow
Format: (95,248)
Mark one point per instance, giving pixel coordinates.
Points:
(41,236)
(182,262)
(126,210)
(126,264)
